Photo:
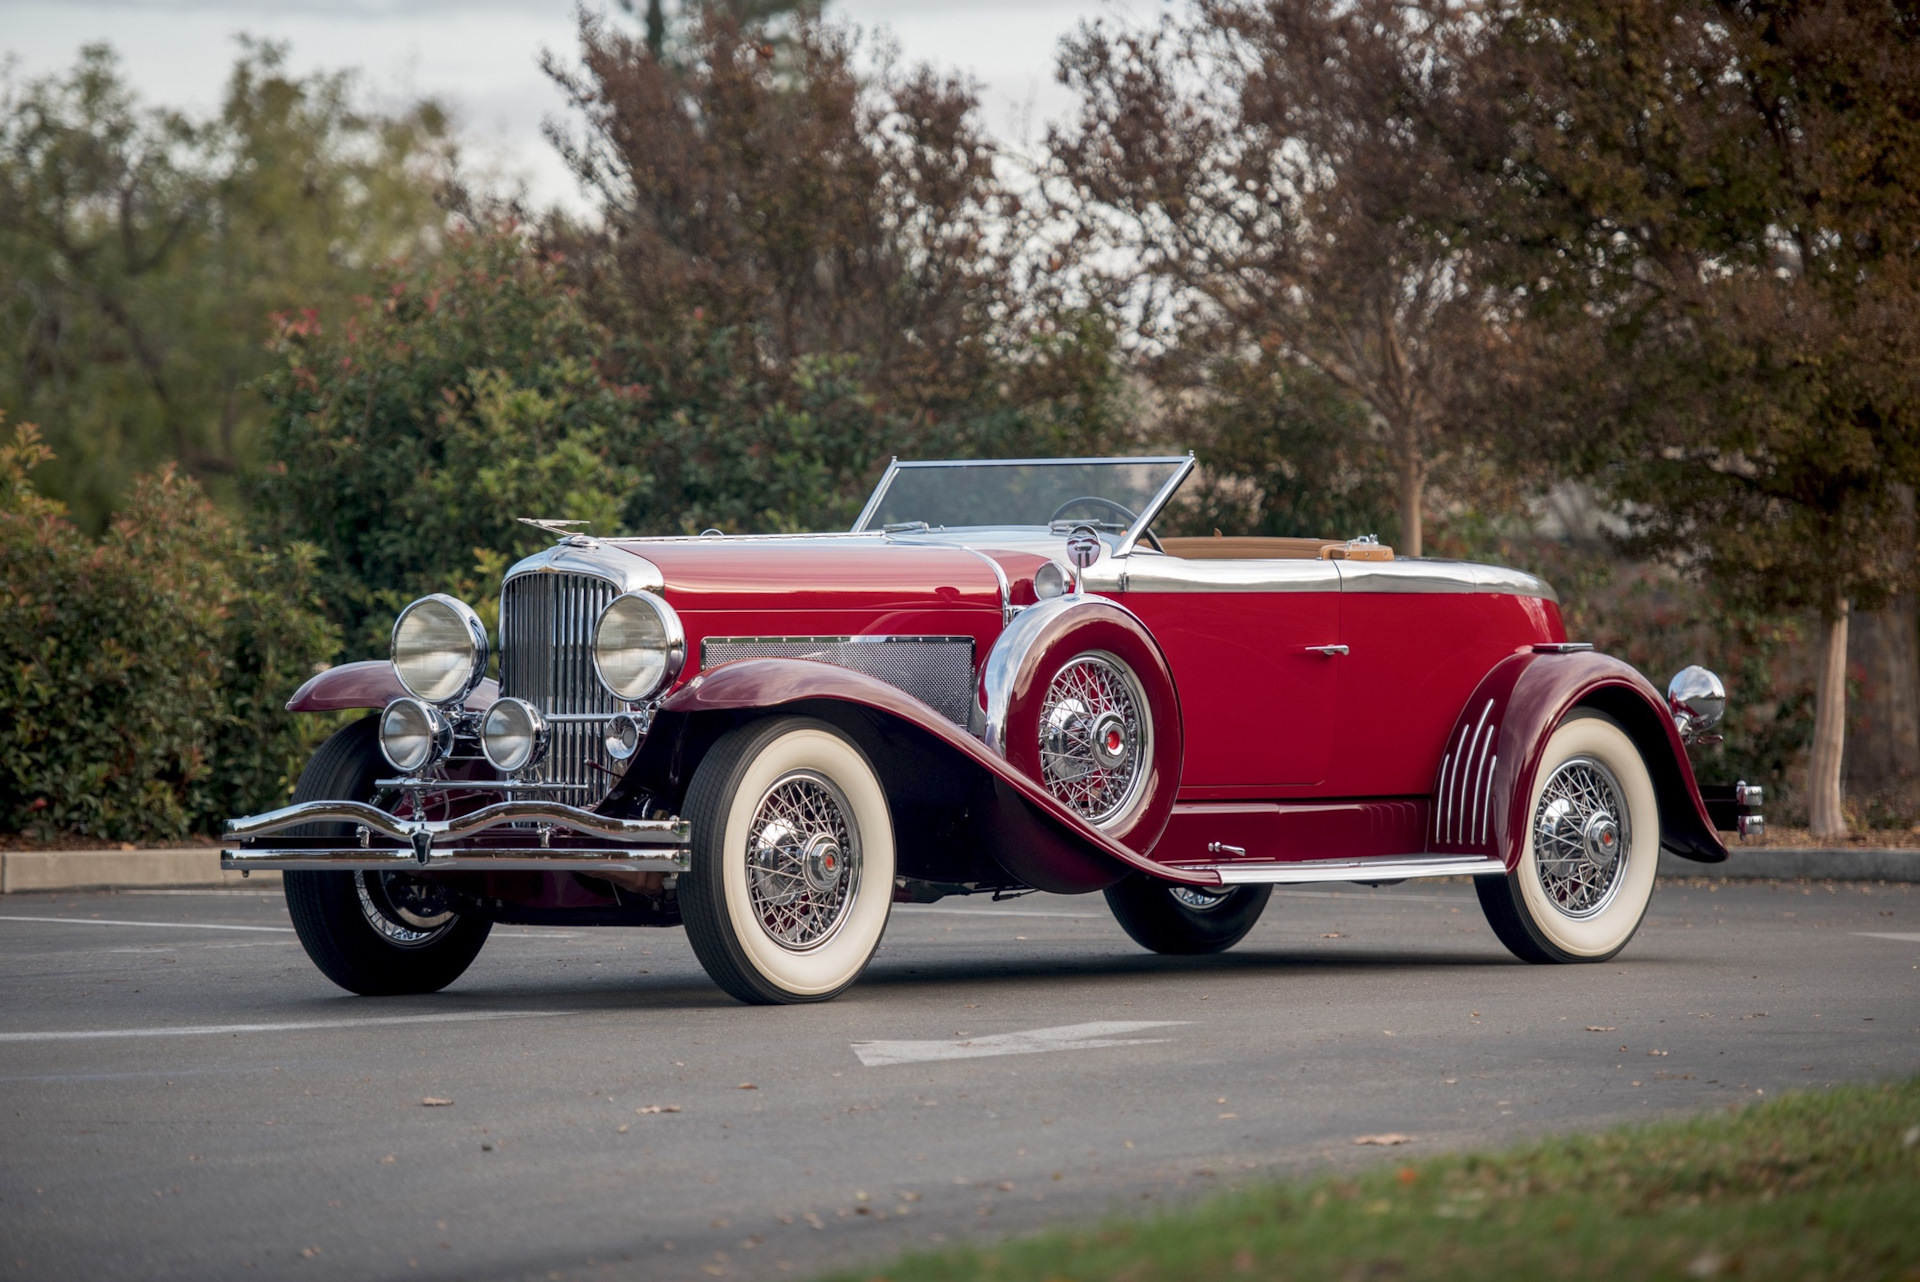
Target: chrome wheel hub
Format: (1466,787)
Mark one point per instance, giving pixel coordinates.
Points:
(1581,836)
(1200,900)
(405,912)
(1094,737)
(803,860)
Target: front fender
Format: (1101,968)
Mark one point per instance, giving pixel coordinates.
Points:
(1035,837)
(1493,755)
(370,683)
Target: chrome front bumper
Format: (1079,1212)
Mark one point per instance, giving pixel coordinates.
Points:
(546,835)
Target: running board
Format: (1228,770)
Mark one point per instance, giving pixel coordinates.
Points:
(1401,868)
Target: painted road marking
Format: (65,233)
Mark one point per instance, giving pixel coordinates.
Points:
(158,925)
(1068,1037)
(1882,934)
(989,912)
(291,1026)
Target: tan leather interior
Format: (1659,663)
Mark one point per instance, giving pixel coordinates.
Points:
(1253,548)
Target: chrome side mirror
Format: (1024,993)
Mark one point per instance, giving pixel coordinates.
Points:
(1697,700)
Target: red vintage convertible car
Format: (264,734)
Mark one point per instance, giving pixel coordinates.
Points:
(999,680)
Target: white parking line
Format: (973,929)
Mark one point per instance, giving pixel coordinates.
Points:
(990,912)
(291,1026)
(1068,1037)
(157,925)
(1883,934)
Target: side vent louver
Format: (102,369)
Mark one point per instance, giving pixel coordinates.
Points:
(1462,806)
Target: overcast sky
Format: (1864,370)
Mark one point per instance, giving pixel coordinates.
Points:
(481,56)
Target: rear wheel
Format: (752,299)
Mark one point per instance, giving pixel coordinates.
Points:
(376,933)
(1185,919)
(792,862)
(1591,849)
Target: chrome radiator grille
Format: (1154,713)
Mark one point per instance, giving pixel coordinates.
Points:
(936,670)
(546,639)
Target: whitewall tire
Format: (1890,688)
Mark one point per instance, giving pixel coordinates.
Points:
(792,861)
(1589,853)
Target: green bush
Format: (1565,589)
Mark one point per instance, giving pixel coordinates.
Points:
(142,675)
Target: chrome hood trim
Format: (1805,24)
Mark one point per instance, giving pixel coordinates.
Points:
(579,554)
(1421,575)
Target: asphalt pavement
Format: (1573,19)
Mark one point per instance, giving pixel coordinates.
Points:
(186,1097)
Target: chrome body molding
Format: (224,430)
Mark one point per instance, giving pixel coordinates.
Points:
(1463,803)
(1420,575)
(1007,608)
(554,814)
(1403,868)
(578,554)
(1146,571)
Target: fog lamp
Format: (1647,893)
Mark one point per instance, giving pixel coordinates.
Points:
(513,735)
(414,734)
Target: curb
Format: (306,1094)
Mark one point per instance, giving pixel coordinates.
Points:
(1790,864)
(25,870)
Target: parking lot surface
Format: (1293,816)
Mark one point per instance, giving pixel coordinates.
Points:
(186,1097)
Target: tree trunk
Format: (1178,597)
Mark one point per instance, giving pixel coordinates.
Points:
(1883,753)
(1413,484)
(1826,819)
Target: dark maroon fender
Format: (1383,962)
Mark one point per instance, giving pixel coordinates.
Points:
(1034,836)
(1486,776)
(370,683)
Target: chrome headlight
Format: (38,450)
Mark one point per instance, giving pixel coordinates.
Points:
(414,734)
(623,734)
(1697,700)
(513,735)
(1052,579)
(638,646)
(439,649)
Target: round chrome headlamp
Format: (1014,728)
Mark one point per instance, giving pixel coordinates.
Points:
(513,735)
(623,735)
(1052,579)
(439,649)
(414,734)
(638,646)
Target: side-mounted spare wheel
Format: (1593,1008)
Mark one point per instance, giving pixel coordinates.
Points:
(1185,919)
(1589,853)
(379,934)
(792,861)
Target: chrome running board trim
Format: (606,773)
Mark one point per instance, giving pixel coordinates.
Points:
(1405,868)
(653,832)
(516,859)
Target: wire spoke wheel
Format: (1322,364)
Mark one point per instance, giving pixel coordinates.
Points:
(1581,832)
(803,860)
(1094,737)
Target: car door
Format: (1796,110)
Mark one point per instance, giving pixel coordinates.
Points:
(1253,645)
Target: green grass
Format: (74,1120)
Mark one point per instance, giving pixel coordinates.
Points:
(1807,1186)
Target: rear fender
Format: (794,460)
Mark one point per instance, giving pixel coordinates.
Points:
(928,764)
(370,683)
(1486,776)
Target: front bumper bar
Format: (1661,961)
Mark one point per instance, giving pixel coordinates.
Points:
(508,835)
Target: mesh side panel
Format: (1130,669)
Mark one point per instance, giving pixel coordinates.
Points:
(546,635)
(936,670)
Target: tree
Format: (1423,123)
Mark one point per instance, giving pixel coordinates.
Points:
(809,269)
(1713,222)
(404,441)
(142,253)
(1268,183)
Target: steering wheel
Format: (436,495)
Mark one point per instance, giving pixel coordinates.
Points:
(1127,515)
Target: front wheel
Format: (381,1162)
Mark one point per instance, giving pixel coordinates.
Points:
(1185,919)
(1590,852)
(379,934)
(792,862)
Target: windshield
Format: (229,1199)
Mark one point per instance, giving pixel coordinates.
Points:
(1108,494)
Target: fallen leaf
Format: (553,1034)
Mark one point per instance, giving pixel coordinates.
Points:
(1226,1116)
(658,1108)
(1005,1186)
(388,1160)
(748,1086)
(1603,1028)
(1656,1052)
(434,1101)
(1391,1137)
(622,1130)
(1333,934)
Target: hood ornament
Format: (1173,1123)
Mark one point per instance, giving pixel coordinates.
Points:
(552,525)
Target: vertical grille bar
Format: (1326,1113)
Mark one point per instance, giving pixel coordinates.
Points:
(546,627)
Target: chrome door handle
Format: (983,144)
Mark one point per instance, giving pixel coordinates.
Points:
(1328,650)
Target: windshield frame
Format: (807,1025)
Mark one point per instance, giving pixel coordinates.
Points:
(1184,465)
